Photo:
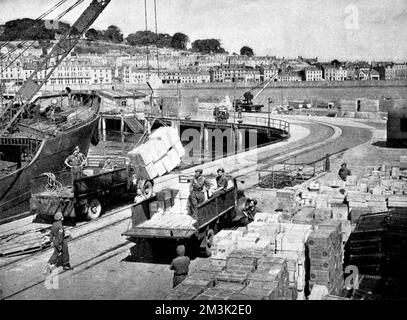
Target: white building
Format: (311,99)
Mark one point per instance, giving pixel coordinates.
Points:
(313,74)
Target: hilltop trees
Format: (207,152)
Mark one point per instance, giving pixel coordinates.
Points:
(26,29)
(179,41)
(113,34)
(148,38)
(246,51)
(206,46)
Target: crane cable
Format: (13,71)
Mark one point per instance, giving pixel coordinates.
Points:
(29,46)
(145,20)
(156,38)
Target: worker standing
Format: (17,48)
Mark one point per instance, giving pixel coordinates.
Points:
(61,253)
(197,191)
(251,210)
(109,165)
(76,162)
(180,265)
(344,172)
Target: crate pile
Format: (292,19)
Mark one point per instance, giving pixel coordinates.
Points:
(169,208)
(364,247)
(199,280)
(286,202)
(325,255)
(159,155)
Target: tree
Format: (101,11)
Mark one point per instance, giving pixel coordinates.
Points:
(246,51)
(179,41)
(335,63)
(141,38)
(113,34)
(206,46)
(93,34)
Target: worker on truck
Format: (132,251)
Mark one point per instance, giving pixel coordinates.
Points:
(57,238)
(76,162)
(199,185)
(180,265)
(221,182)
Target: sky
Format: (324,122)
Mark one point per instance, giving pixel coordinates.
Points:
(327,29)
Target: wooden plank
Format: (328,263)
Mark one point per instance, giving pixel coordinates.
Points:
(159,233)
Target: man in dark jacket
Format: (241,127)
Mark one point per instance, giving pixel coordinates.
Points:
(197,191)
(180,265)
(61,253)
(221,180)
(344,172)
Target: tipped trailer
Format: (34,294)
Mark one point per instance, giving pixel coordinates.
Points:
(86,196)
(221,210)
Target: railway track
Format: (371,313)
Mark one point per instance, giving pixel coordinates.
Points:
(121,245)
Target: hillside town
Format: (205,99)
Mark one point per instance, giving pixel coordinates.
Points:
(178,66)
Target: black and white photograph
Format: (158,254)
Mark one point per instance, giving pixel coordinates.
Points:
(175,151)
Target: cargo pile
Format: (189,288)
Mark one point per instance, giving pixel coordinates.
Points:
(325,256)
(159,155)
(170,209)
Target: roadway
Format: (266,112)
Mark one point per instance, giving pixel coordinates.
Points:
(103,267)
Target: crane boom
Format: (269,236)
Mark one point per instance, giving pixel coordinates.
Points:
(45,69)
(265,86)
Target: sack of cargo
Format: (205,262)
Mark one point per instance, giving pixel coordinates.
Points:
(146,172)
(174,157)
(161,144)
(179,149)
(172,135)
(167,163)
(159,167)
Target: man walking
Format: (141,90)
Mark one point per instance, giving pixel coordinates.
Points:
(197,193)
(180,265)
(344,172)
(61,253)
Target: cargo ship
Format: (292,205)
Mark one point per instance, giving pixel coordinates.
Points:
(50,129)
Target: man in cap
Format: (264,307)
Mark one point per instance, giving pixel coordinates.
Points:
(344,172)
(76,162)
(221,181)
(197,191)
(180,265)
(61,253)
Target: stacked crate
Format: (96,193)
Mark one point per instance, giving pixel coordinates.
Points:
(325,254)
(270,280)
(286,203)
(185,292)
(364,247)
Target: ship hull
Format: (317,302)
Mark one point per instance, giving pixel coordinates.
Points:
(15,188)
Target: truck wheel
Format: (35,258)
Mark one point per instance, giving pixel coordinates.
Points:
(147,189)
(94,209)
(206,251)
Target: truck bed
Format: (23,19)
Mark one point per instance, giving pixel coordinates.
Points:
(178,225)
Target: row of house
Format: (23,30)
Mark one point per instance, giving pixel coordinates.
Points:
(116,67)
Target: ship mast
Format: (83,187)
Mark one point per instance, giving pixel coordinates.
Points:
(10,115)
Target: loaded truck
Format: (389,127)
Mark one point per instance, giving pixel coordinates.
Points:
(221,210)
(86,196)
